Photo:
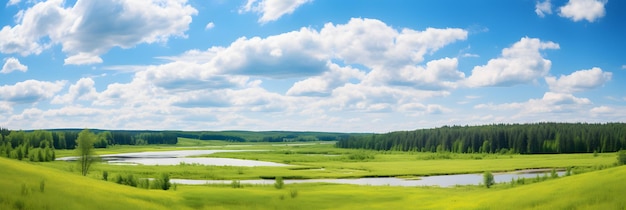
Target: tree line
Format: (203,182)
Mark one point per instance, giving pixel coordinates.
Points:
(39,145)
(35,146)
(533,138)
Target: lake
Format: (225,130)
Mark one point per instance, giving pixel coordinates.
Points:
(441,180)
(178,157)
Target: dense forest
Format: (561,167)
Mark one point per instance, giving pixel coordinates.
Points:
(263,136)
(500,138)
(39,145)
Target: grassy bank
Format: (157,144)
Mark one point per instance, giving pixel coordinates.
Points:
(21,184)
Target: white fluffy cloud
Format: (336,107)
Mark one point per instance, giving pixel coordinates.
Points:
(519,64)
(322,85)
(550,103)
(209,25)
(272,10)
(579,81)
(439,74)
(90,28)
(83,90)
(13,64)
(30,91)
(578,10)
(543,8)
(367,41)
(219,80)
(13,2)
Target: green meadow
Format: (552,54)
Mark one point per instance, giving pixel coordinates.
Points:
(596,184)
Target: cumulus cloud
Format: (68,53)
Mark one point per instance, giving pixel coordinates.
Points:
(220,77)
(439,74)
(13,2)
(30,91)
(13,64)
(222,86)
(366,41)
(579,81)
(543,8)
(550,103)
(83,89)
(519,64)
(322,85)
(90,28)
(578,10)
(272,10)
(285,55)
(305,52)
(209,25)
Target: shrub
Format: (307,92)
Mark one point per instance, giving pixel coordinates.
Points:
(279,183)
(293,193)
(165,181)
(143,183)
(105,175)
(621,157)
(42,185)
(568,171)
(553,174)
(236,184)
(488,179)
(24,189)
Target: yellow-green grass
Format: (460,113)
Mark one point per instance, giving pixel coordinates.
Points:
(186,144)
(602,189)
(21,188)
(325,161)
(595,190)
(337,162)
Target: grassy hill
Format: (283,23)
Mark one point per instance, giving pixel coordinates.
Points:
(20,184)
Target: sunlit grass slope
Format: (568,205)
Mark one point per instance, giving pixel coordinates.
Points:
(594,190)
(21,188)
(605,189)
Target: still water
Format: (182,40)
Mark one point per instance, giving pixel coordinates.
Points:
(441,181)
(179,157)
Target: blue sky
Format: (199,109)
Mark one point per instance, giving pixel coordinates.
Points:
(349,66)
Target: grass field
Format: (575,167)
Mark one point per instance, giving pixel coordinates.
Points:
(58,185)
(602,189)
(308,159)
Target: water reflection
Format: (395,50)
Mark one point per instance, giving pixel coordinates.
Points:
(442,181)
(179,157)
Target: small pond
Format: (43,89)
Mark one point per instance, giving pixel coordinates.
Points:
(178,157)
(441,181)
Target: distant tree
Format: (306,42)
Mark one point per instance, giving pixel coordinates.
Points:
(165,181)
(621,157)
(279,183)
(488,179)
(85,150)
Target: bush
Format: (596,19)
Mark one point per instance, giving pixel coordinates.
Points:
(568,171)
(361,155)
(293,193)
(105,175)
(143,183)
(621,157)
(488,179)
(42,185)
(165,181)
(553,174)
(279,183)
(236,184)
